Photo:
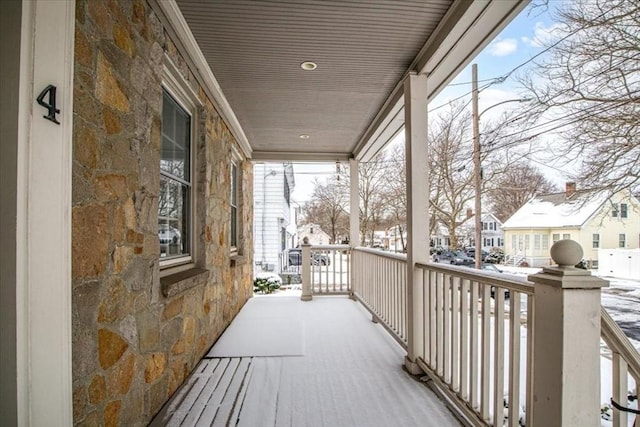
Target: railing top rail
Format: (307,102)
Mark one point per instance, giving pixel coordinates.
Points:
(380,253)
(515,283)
(619,343)
(330,247)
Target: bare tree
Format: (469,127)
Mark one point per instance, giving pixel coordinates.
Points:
(514,187)
(372,187)
(588,86)
(395,194)
(372,207)
(451,168)
(327,209)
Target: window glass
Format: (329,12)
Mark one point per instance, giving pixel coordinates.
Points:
(566,236)
(234,205)
(545,241)
(175,181)
(622,240)
(623,210)
(536,242)
(555,237)
(596,241)
(176,140)
(614,210)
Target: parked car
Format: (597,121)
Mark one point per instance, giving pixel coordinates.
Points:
(168,234)
(317,258)
(452,257)
(491,268)
(471,253)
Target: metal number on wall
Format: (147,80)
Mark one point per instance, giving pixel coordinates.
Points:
(51,105)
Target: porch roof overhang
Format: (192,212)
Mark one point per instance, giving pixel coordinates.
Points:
(249,53)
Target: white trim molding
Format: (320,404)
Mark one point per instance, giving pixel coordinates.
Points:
(179,26)
(43,239)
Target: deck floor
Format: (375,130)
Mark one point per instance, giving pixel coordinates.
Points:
(284,362)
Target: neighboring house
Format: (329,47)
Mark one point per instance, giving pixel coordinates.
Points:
(440,237)
(314,234)
(593,219)
(492,233)
(272,187)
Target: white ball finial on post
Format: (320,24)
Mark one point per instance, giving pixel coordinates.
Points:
(566,253)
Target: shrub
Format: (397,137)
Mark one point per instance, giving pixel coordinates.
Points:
(266,283)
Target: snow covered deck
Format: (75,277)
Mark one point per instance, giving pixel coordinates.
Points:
(318,363)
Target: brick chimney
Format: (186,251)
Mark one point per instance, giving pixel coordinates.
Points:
(570,188)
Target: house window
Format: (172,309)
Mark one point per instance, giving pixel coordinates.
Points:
(623,210)
(514,244)
(622,240)
(526,242)
(614,210)
(596,241)
(234,206)
(174,204)
(536,242)
(555,237)
(566,236)
(545,241)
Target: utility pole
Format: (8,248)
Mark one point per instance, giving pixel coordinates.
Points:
(477,171)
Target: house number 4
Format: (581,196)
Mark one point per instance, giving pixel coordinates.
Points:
(51,105)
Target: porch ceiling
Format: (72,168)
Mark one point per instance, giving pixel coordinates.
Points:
(351,104)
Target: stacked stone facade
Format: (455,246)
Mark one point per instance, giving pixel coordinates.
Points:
(135,338)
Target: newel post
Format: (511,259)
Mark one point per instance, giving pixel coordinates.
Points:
(566,341)
(306,272)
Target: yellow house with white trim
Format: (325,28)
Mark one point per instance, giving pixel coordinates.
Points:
(596,220)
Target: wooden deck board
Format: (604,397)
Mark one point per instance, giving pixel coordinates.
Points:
(350,375)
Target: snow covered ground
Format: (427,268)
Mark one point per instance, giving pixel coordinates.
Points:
(622,301)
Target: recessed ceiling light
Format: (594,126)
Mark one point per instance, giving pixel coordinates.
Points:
(308,66)
(304,136)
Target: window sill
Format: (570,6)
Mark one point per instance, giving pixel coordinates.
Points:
(176,283)
(237,259)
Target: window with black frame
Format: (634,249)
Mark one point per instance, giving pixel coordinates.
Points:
(174,223)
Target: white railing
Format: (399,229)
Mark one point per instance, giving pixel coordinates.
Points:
(382,287)
(330,269)
(478,341)
(478,331)
(625,362)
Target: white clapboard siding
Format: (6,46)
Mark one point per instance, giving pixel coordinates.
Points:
(271,211)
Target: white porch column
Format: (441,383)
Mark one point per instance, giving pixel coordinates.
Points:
(306,272)
(415,121)
(354,204)
(566,349)
(36,354)
(354,217)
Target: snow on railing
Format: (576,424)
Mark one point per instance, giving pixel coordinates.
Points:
(380,284)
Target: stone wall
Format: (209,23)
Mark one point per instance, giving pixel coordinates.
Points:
(132,345)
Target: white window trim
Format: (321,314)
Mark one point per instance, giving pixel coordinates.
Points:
(184,95)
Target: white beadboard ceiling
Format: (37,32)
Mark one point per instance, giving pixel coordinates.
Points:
(363,50)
